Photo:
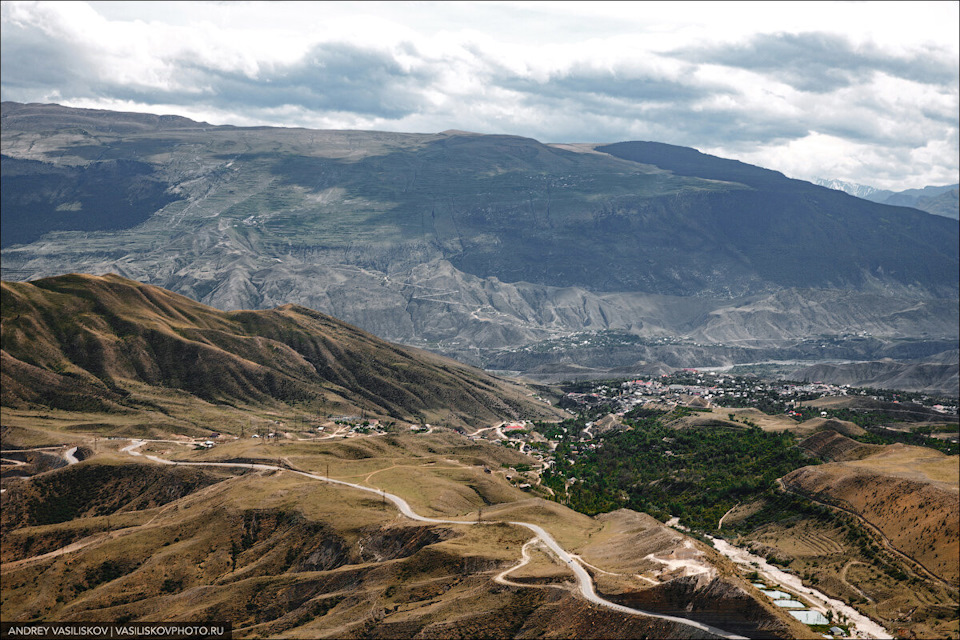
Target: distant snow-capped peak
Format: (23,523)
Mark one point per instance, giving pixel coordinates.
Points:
(854,189)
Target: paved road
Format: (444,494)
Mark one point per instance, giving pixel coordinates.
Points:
(584,581)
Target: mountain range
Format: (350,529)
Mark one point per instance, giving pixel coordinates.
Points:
(493,249)
(939,200)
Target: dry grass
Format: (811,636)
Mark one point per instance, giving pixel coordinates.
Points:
(920,519)
(542,569)
(822,555)
(915,463)
(322,560)
(625,539)
(741,418)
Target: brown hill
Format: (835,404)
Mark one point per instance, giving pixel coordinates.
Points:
(80,342)
(842,427)
(281,555)
(908,493)
(834,447)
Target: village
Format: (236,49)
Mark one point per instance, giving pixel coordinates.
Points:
(600,406)
(694,388)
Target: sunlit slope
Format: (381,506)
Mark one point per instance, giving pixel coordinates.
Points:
(909,493)
(107,343)
(283,555)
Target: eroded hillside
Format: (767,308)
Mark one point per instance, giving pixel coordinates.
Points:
(908,493)
(477,245)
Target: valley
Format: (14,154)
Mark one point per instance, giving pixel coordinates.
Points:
(841,506)
(362,384)
(326,504)
(153,519)
(454,481)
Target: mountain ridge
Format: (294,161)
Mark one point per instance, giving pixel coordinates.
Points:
(465,242)
(939,200)
(107,343)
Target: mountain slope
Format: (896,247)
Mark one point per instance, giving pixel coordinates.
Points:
(909,493)
(945,204)
(86,342)
(671,220)
(459,242)
(935,375)
(799,234)
(938,200)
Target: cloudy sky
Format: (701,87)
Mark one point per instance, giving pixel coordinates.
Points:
(863,91)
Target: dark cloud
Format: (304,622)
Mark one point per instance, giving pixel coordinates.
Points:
(31,63)
(629,85)
(669,97)
(940,116)
(820,62)
(713,127)
(668,111)
(331,77)
(609,101)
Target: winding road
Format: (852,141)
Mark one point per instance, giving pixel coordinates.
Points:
(584,581)
(71,456)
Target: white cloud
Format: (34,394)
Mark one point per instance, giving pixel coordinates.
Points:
(861,91)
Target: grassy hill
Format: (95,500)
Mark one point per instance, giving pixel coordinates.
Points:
(281,555)
(909,493)
(874,525)
(111,345)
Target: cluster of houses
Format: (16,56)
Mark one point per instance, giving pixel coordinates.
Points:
(705,388)
(713,387)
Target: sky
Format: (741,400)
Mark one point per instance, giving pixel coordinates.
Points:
(859,91)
